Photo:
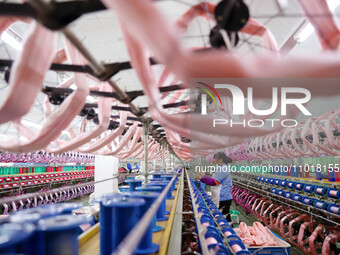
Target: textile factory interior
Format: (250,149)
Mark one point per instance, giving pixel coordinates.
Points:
(169,127)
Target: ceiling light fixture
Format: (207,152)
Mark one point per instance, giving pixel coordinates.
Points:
(11,41)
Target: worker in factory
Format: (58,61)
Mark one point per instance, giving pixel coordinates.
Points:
(129,167)
(221,183)
(137,167)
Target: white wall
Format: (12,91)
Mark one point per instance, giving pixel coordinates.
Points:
(105,167)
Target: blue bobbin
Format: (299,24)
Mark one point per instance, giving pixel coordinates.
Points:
(299,186)
(162,208)
(133,184)
(105,219)
(123,214)
(320,204)
(333,193)
(157,189)
(291,184)
(237,245)
(146,246)
(333,208)
(280,192)
(308,201)
(288,194)
(322,191)
(29,245)
(64,208)
(309,188)
(163,184)
(296,197)
(59,235)
(156,174)
(156,179)
(13,236)
(283,183)
(228,231)
(169,178)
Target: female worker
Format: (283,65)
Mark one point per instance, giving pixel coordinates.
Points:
(221,183)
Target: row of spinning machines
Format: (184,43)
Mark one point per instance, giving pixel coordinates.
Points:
(305,213)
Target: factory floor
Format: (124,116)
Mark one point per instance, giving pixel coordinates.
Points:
(249,219)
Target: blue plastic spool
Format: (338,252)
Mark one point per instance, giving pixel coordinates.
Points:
(288,194)
(291,184)
(28,246)
(64,208)
(262,179)
(157,189)
(105,220)
(214,233)
(280,192)
(44,211)
(169,194)
(198,183)
(308,201)
(159,179)
(169,178)
(133,184)
(217,214)
(13,237)
(146,246)
(333,193)
(333,208)
(296,197)
(123,214)
(203,210)
(222,222)
(299,186)
(162,208)
(320,204)
(219,249)
(258,178)
(309,188)
(59,235)
(163,184)
(271,180)
(273,190)
(235,240)
(207,221)
(156,175)
(228,231)
(283,183)
(212,207)
(322,191)
(277,182)
(266,180)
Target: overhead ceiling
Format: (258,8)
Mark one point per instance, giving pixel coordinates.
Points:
(100,33)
